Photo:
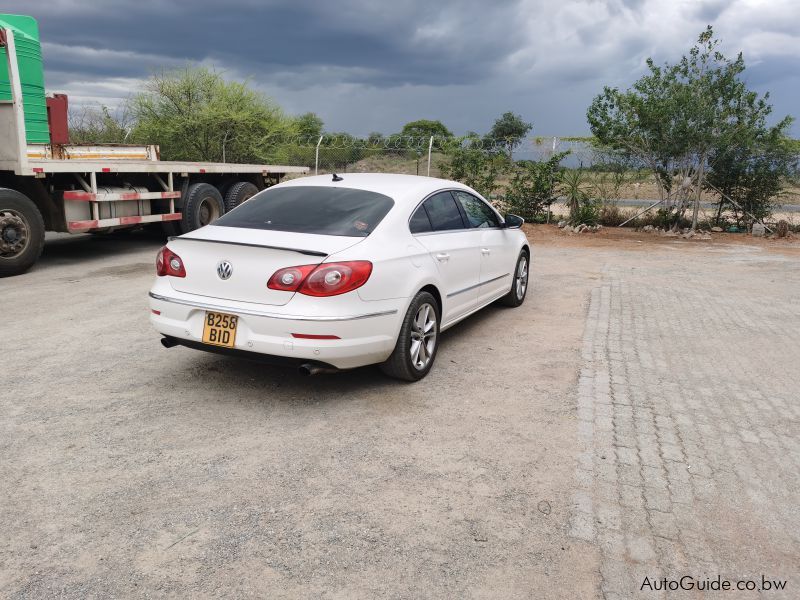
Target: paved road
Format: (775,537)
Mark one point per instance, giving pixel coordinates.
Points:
(638,416)
(689,415)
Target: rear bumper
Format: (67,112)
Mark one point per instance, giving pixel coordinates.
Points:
(366,336)
(268,359)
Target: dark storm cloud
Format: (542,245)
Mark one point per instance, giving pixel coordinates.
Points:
(367,65)
(383,46)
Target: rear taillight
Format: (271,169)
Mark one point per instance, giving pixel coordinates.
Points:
(290,278)
(169,263)
(327,279)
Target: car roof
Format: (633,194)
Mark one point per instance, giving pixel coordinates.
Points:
(401,188)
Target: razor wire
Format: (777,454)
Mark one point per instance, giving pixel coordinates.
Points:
(419,155)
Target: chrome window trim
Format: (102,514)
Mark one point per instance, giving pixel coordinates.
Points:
(259,313)
(477,285)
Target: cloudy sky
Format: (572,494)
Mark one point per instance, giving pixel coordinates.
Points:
(372,65)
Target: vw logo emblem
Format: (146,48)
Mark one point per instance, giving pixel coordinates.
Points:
(224,270)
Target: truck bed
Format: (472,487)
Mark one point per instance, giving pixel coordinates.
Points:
(32,167)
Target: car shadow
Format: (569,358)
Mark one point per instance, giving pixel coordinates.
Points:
(243,377)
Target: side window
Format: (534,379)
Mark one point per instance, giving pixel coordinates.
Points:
(443,212)
(420,223)
(478,212)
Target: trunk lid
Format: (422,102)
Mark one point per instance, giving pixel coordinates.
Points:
(254,255)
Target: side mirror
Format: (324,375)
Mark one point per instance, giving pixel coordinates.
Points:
(513,222)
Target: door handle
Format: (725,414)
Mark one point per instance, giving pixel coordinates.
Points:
(443,257)
(486,251)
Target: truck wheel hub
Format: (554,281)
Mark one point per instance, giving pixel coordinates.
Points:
(13,234)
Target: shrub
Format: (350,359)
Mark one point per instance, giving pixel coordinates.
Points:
(532,187)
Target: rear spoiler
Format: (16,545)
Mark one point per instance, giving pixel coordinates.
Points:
(299,250)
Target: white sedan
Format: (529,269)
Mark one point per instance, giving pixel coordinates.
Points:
(330,273)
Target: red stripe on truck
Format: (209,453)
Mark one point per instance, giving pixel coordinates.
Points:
(72,225)
(80,196)
(120,221)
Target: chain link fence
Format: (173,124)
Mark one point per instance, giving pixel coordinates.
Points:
(594,173)
(341,153)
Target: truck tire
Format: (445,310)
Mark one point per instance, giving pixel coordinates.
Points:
(21,233)
(203,204)
(238,193)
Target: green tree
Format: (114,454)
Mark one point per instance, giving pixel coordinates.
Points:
(469,163)
(509,130)
(750,176)
(425,128)
(415,137)
(309,126)
(532,187)
(376,139)
(194,114)
(98,125)
(677,117)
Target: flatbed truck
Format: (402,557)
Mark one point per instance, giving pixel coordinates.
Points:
(64,187)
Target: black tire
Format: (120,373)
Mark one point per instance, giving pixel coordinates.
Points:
(514,298)
(400,364)
(21,233)
(203,205)
(225,186)
(238,193)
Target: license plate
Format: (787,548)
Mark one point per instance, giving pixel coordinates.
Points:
(219,329)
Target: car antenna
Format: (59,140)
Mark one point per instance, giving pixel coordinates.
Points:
(337,178)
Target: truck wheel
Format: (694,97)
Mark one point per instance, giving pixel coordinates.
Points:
(203,204)
(21,233)
(238,193)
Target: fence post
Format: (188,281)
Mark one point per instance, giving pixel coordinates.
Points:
(316,156)
(430,149)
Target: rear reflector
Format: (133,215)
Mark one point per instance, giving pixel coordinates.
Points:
(311,336)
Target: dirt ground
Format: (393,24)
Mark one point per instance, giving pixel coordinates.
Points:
(627,238)
(130,470)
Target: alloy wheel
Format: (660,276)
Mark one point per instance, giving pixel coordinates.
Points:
(423,336)
(521,279)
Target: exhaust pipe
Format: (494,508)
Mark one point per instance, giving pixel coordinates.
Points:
(312,369)
(168,342)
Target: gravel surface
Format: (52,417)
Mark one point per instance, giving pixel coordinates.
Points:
(564,449)
(132,470)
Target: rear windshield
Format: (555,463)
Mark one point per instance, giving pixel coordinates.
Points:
(311,209)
